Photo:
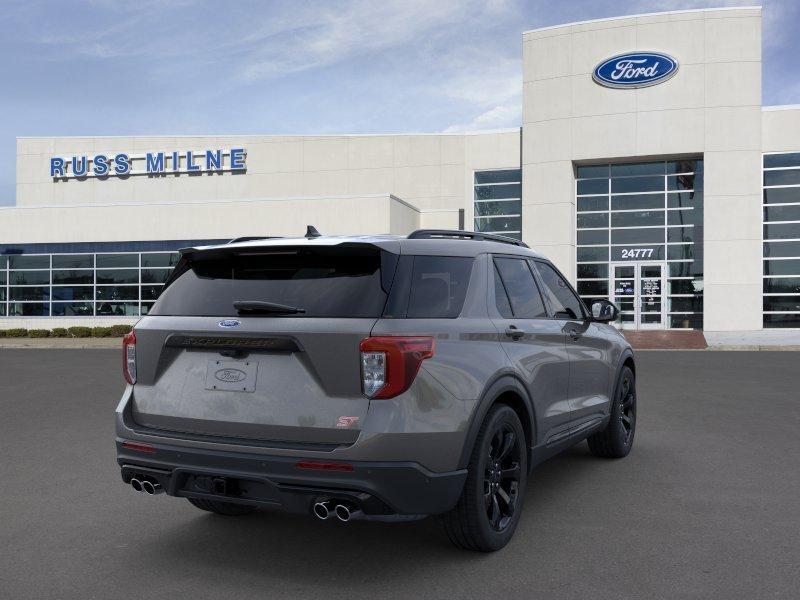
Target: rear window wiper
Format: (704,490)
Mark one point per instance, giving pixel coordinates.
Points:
(264,308)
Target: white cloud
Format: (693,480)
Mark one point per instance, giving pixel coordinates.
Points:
(497,117)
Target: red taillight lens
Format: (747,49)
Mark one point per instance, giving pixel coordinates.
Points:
(323,465)
(138,447)
(129,357)
(389,364)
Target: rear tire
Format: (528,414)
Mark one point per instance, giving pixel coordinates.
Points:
(222,508)
(616,440)
(487,513)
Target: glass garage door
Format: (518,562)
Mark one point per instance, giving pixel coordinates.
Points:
(643,214)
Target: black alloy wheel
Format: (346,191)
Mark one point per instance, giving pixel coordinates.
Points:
(501,477)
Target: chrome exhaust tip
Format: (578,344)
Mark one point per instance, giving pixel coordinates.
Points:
(344,513)
(136,484)
(151,488)
(322,510)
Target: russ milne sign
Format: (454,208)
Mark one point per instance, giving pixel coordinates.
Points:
(122,164)
(635,70)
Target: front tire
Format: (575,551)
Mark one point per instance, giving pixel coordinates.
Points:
(616,440)
(488,511)
(229,509)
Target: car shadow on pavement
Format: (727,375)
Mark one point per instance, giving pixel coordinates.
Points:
(272,543)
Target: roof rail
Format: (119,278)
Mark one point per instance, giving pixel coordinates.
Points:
(252,238)
(455,234)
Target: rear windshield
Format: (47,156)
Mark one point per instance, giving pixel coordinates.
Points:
(323,282)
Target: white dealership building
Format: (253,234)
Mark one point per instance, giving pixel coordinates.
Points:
(646,167)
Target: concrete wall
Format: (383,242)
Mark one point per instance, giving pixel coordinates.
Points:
(780,129)
(431,171)
(367,214)
(711,107)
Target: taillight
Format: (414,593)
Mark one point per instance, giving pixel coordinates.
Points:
(389,364)
(129,357)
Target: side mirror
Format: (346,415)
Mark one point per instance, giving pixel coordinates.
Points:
(604,311)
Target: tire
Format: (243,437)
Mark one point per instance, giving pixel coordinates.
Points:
(222,508)
(616,439)
(487,513)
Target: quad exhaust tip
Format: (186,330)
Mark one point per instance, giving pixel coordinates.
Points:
(146,485)
(322,510)
(344,513)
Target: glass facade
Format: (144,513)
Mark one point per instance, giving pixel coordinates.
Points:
(643,212)
(498,202)
(781,287)
(116,284)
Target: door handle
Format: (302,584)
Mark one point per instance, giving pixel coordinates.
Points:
(573,332)
(513,332)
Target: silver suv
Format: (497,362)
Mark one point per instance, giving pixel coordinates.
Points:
(380,377)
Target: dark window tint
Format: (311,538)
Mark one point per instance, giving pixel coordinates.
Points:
(684,166)
(501,207)
(779,249)
(592,254)
(28,309)
(596,203)
(637,184)
(586,171)
(593,288)
(118,292)
(72,309)
(787,177)
(526,302)
(593,186)
(637,218)
(117,260)
(155,275)
(680,234)
(590,237)
(73,261)
(29,277)
(73,292)
(782,303)
(637,236)
(638,252)
(685,200)
(118,276)
(791,159)
(782,285)
(501,297)
(325,282)
(782,267)
(438,286)
(782,213)
(683,182)
(782,195)
(29,293)
(29,262)
(586,221)
(562,299)
(592,271)
(776,321)
(494,192)
(160,259)
(653,168)
(501,176)
(684,217)
(637,201)
(73,277)
(680,252)
(786,231)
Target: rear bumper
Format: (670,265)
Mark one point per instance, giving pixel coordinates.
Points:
(380,489)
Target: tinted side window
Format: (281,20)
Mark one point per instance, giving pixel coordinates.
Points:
(500,296)
(438,286)
(564,302)
(526,302)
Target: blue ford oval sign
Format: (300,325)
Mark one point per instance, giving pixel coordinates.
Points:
(230,323)
(635,70)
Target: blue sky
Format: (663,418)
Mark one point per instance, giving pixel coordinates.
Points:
(106,67)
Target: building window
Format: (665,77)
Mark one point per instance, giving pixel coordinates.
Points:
(114,284)
(640,240)
(781,287)
(498,202)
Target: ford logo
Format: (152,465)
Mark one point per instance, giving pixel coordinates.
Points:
(635,70)
(230,375)
(228,323)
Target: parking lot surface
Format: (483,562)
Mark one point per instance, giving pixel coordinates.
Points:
(706,506)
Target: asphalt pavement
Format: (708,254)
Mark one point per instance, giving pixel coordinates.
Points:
(706,506)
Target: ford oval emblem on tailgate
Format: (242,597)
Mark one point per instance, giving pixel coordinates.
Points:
(230,375)
(230,323)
